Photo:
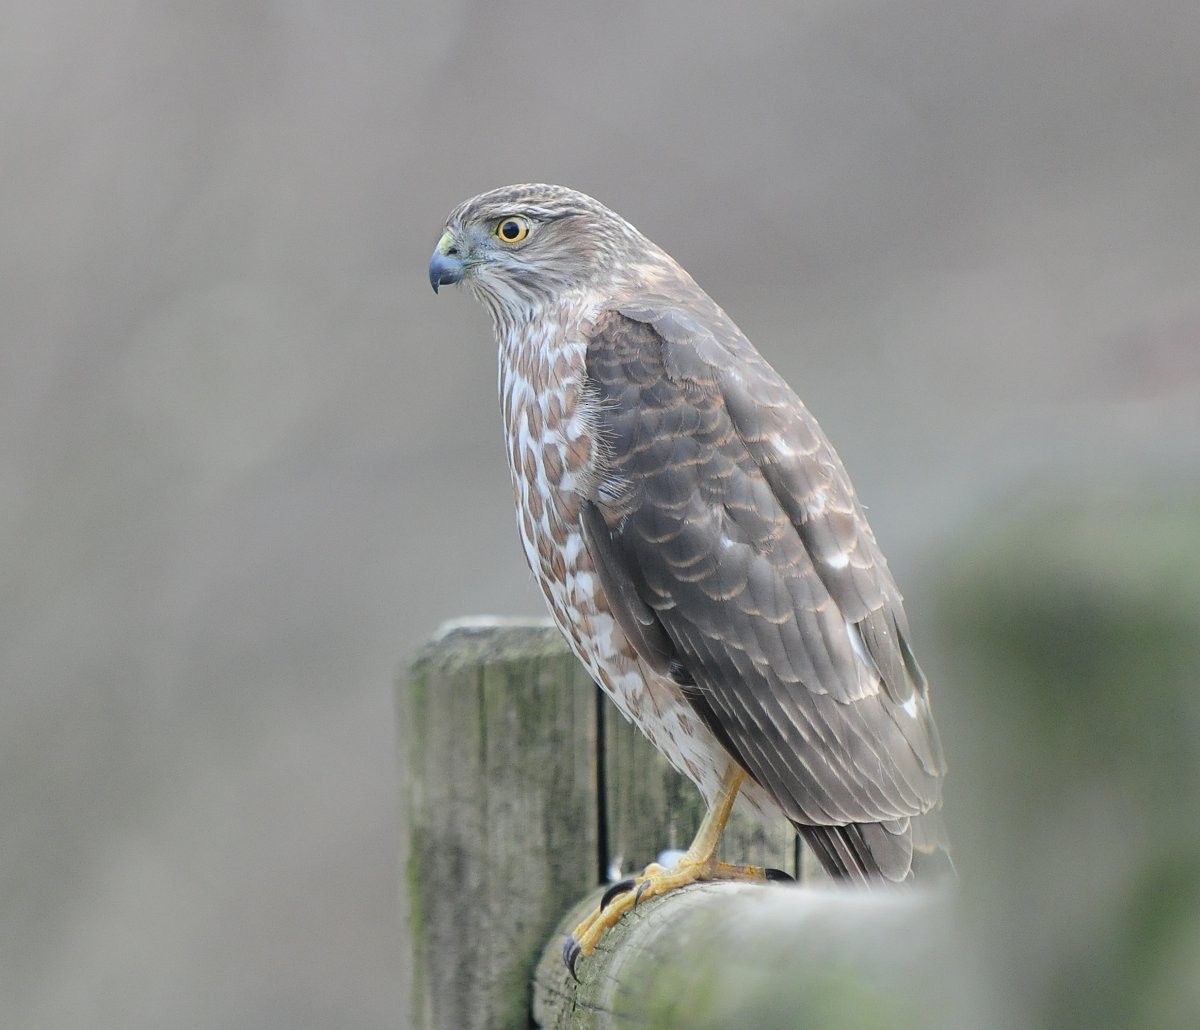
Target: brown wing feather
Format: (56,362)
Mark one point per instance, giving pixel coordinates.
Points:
(727,518)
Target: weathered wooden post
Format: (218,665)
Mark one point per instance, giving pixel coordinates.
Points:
(524,789)
(498,729)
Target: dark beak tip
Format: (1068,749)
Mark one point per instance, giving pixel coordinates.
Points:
(444,270)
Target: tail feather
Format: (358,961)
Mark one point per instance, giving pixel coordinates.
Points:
(835,850)
(868,852)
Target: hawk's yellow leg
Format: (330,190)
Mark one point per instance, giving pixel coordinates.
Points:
(699,862)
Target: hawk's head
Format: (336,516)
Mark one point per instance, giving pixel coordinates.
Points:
(519,247)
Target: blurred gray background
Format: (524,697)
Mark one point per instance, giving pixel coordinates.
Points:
(248,461)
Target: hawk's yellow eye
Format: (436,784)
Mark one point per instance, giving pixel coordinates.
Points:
(512,230)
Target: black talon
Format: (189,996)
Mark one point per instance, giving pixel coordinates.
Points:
(778,876)
(620,887)
(571,953)
(640,891)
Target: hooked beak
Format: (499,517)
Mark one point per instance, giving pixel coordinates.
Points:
(445,267)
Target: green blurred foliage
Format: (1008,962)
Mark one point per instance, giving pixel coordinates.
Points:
(1072,710)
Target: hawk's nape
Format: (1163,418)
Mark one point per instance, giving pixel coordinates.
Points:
(696,536)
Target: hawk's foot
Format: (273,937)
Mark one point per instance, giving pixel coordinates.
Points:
(655,880)
(698,863)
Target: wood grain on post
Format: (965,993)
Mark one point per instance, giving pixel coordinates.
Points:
(497,725)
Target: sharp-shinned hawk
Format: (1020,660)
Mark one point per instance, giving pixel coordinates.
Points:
(698,541)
